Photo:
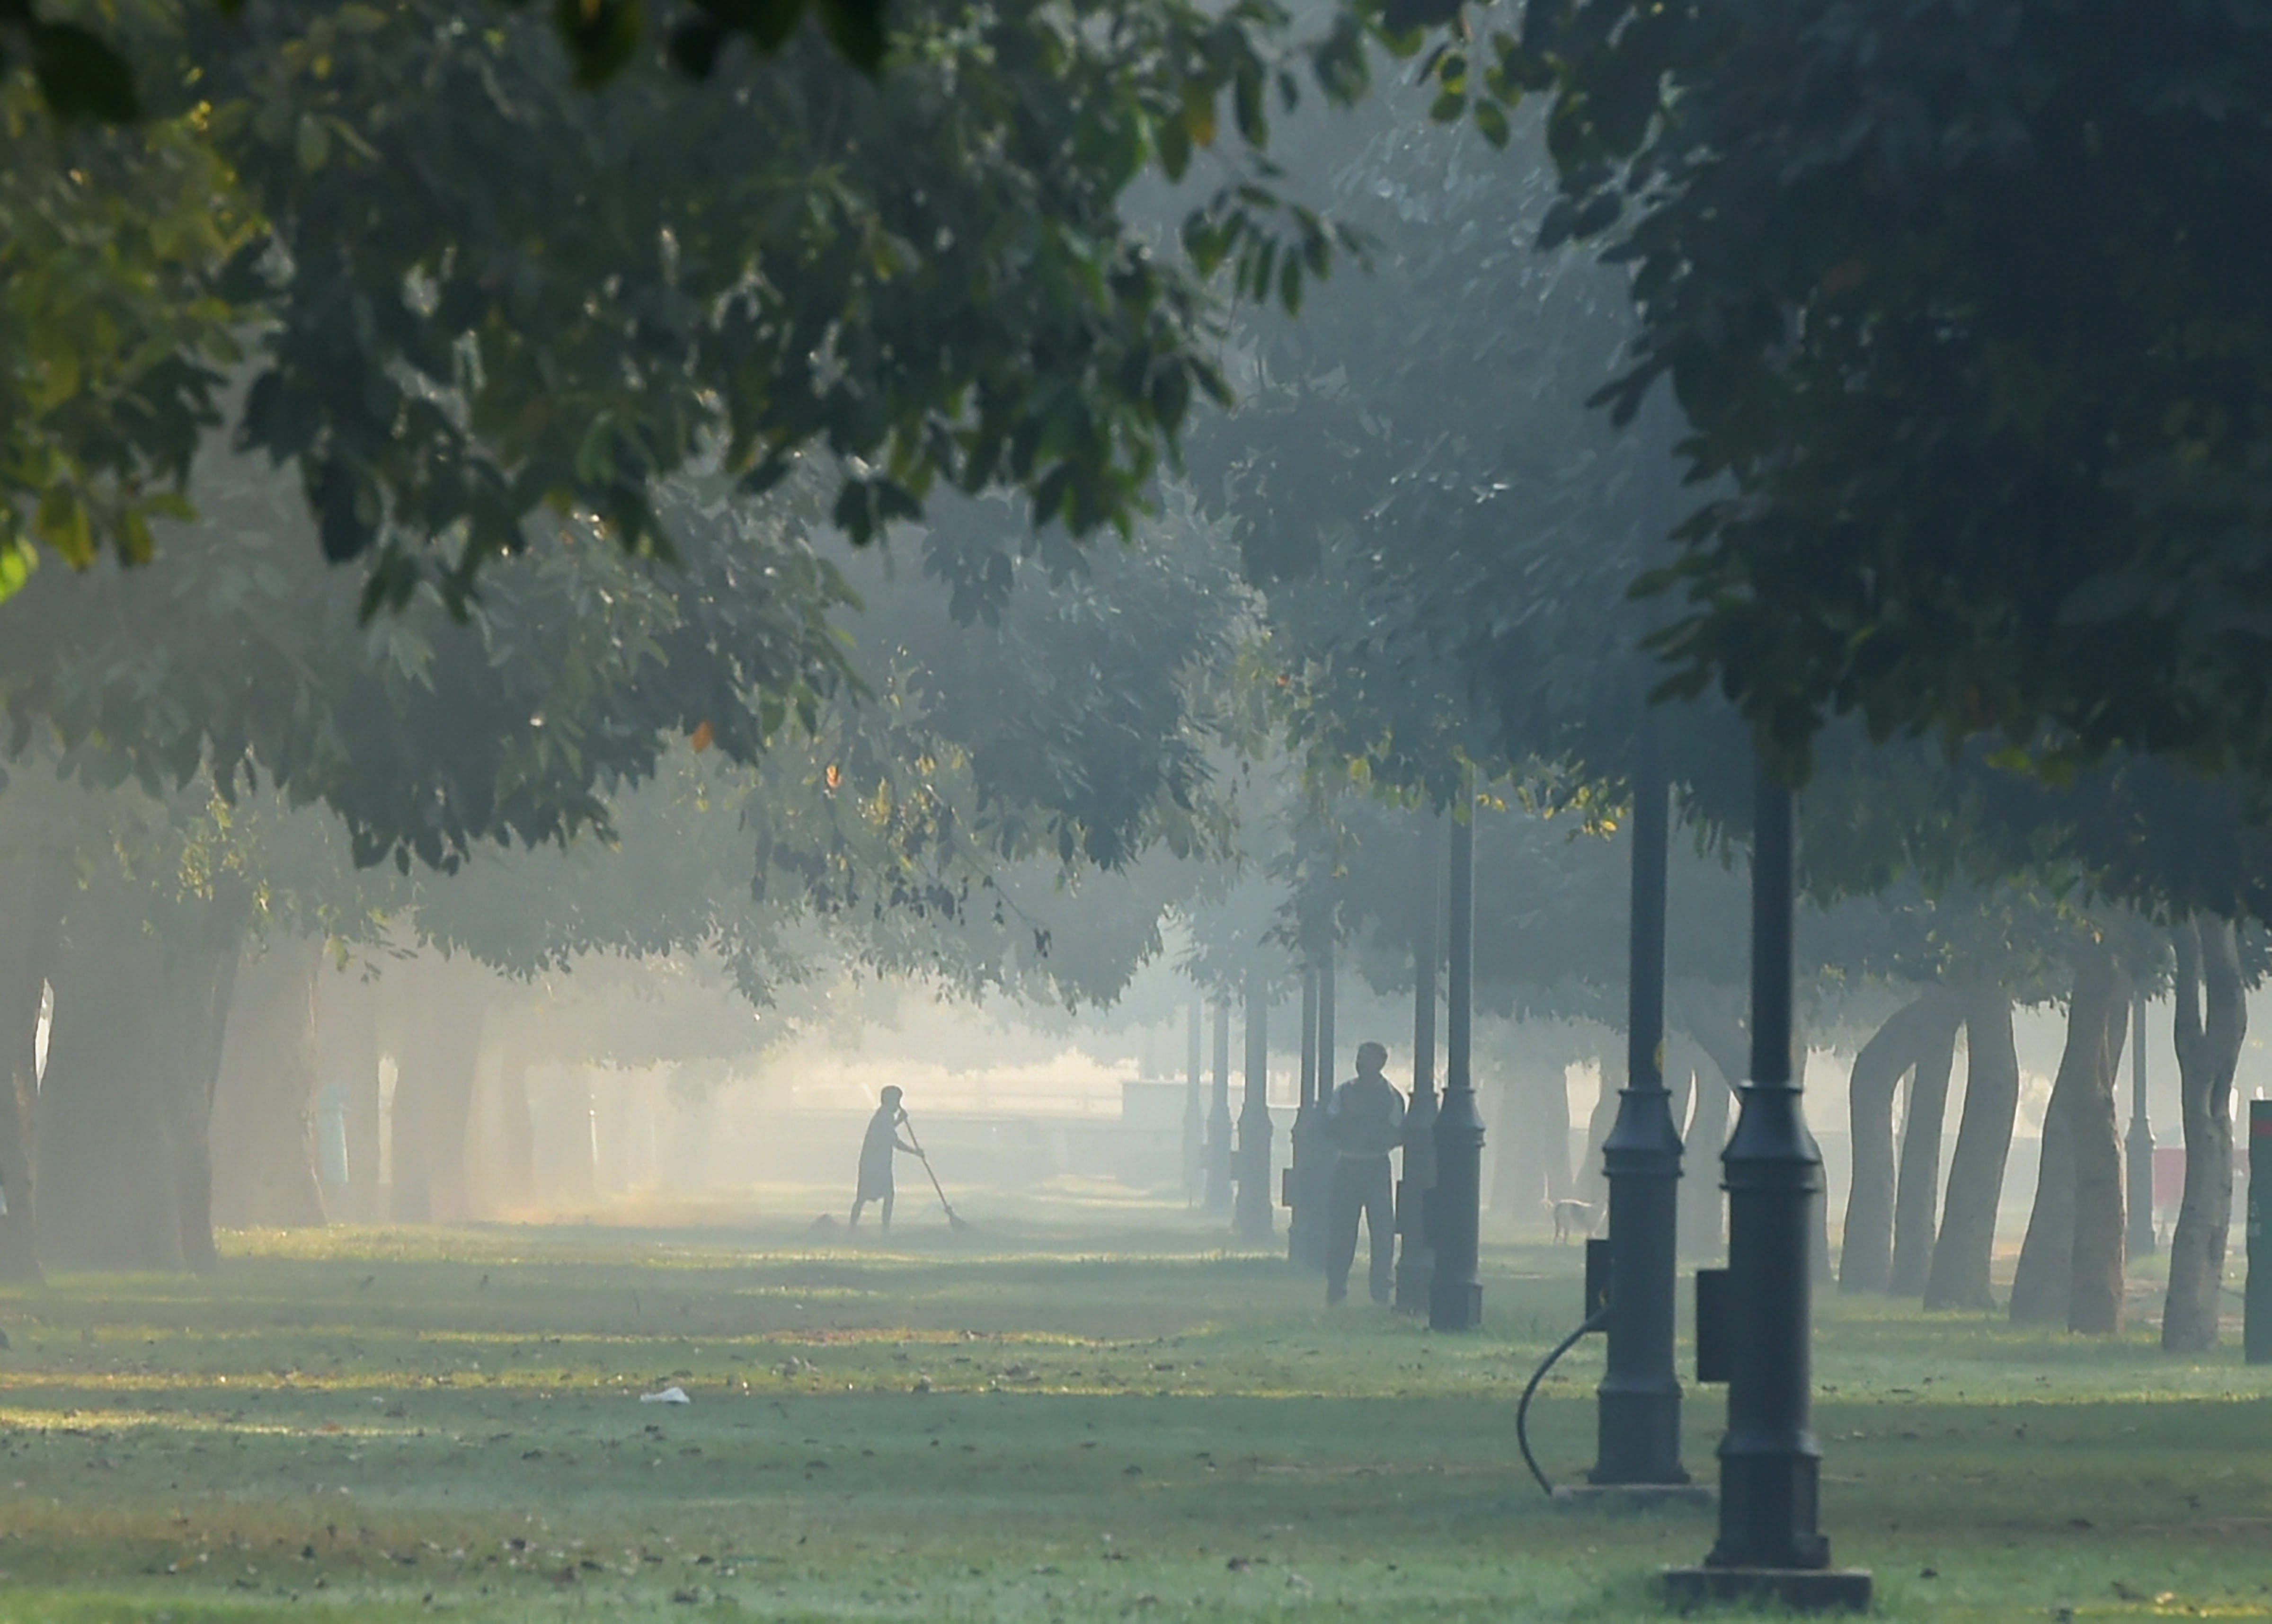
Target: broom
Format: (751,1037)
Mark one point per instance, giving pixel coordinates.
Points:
(954,1220)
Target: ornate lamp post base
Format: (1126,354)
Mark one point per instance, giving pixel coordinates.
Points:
(1636,1496)
(1801,1590)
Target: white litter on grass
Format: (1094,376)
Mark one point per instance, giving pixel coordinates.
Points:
(669,1395)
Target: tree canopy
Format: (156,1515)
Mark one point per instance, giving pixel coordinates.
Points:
(1964,306)
(470,285)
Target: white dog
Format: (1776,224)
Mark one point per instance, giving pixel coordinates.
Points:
(1571,1218)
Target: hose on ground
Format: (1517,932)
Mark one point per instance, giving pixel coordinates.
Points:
(1594,1322)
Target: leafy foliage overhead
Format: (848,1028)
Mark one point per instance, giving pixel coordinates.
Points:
(481,285)
(239,654)
(1966,306)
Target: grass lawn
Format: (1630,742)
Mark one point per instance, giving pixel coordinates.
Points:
(1035,1422)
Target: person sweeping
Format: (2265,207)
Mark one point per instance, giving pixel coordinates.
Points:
(876,1151)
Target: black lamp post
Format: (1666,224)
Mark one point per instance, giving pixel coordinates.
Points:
(1313,1181)
(1195,1104)
(1303,1249)
(1770,1464)
(2256,1297)
(1638,1415)
(2139,1149)
(1218,1144)
(1254,1220)
(1415,1258)
(1455,1292)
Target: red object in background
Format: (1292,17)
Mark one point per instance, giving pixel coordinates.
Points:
(2168,1175)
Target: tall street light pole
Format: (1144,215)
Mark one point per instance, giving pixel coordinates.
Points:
(1219,1166)
(1455,1292)
(1254,1220)
(1638,1415)
(1303,1249)
(1415,1258)
(1195,1103)
(2140,1147)
(1770,1464)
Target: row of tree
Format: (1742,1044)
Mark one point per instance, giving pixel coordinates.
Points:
(549,361)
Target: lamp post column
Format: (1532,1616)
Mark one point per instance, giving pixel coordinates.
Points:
(1455,1292)
(1195,1103)
(1415,1258)
(1254,1220)
(1218,1146)
(1303,1248)
(1638,1416)
(1770,1462)
(2139,1149)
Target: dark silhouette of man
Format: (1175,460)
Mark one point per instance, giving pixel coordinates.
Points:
(1365,1121)
(876,1157)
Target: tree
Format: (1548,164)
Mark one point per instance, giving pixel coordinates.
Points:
(1966,466)
(239,654)
(2070,1265)
(484,287)
(933,795)
(1918,1039)
(111,336)
(2212,1020)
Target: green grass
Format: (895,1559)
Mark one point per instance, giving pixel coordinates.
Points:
(1032,1423)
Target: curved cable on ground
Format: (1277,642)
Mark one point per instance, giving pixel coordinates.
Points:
(1594,1322)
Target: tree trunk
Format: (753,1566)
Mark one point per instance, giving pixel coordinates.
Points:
(123,1168)
(212,969)
(2095,1298)
(1867,1245)
(346,1050)
(1916,1201)
(1554,1131)
(1959,1277)
(35,884)
(1612,1063)
(438,1010)
(1684,1067)
(264,1118)
(1531,1143)
(1824,1274)
(2041,1278)
(2212,1021)
(516,1138)
(1517,1178)
(1703,1204)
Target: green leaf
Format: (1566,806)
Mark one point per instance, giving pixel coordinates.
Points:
(1172,138)
(1491,122)
(312,144)
(857,28)
(768,23)
(1198,114)
(81,76)
(601,35)
(1253,122)
(18,560)
(1403,16)
(695,44)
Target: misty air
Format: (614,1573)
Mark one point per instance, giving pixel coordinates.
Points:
(1100,809)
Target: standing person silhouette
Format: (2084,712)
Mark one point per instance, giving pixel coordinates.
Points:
(1365,1121)
(876,1157)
